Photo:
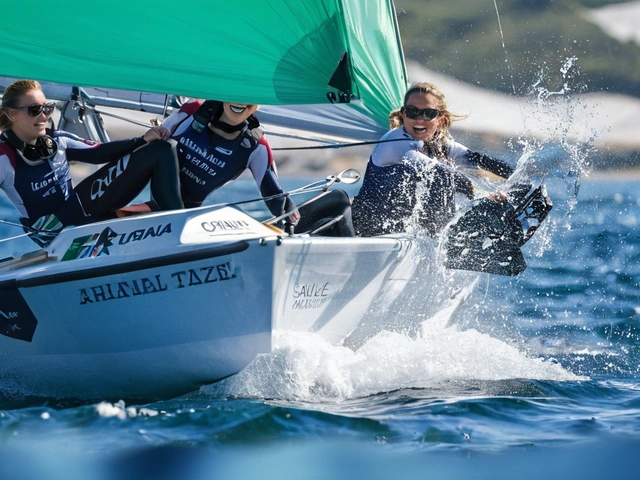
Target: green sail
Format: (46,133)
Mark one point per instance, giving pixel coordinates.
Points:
(272,52)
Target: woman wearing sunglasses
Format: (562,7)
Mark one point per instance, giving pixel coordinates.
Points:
(34,164)
(217,141)
(417,152)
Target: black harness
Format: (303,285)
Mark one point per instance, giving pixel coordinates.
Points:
(210,112)
(45,147)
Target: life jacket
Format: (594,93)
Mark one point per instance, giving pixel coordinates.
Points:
(389,196)
(41,230)
(209,110)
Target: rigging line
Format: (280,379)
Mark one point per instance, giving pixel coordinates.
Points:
(506,59)
(504,47)
(291,193)
(341,145)
(135,122)
(311,147)
(165,107)
(25,227)
(274,133)
(14,238)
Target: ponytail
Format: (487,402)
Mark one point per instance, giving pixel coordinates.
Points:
(395,119)
(5,121)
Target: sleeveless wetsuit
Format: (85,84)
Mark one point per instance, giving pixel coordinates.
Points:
(39,187)
(208,161)
(400,177)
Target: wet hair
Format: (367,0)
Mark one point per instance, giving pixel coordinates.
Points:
(425,88)
(11,98)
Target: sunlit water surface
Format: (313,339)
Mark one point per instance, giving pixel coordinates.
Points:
(538,376)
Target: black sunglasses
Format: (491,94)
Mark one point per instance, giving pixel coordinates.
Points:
(36,109)
(414,112)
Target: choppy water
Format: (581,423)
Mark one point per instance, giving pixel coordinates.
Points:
(539,378)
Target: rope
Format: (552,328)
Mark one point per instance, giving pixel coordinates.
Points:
(14,238)
(25,227)
(342,145)
(135,122)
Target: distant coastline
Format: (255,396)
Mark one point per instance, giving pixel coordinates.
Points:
(619,21)
(608,120)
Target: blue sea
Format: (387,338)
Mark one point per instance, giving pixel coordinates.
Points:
(539,377)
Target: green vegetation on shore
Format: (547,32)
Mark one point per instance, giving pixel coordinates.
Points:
(462,38)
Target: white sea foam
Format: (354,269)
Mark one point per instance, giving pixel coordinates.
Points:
(121,411)
(304,368)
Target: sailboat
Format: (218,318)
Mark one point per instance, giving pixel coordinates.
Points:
(156,305)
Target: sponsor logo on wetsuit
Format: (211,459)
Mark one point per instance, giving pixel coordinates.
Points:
(48,180)
(224,151)
(206,156)
(99,185)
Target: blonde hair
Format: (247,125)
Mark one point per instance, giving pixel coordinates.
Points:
(425,88)
(11,98)
(395,119)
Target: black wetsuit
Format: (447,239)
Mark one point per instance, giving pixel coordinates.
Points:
(208,161)
(37,179)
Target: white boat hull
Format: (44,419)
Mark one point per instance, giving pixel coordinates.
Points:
(177,300)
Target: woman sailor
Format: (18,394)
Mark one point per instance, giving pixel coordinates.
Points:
(417,151)
(34,164)
(217,141)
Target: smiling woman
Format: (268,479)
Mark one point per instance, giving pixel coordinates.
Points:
(418,150)
(34,165)
(217,141)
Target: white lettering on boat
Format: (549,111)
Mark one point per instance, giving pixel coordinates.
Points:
(147,285)
(143,234)
(9,315)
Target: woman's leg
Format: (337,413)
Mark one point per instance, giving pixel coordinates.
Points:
(117,183)
(327,207)
(165,179)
